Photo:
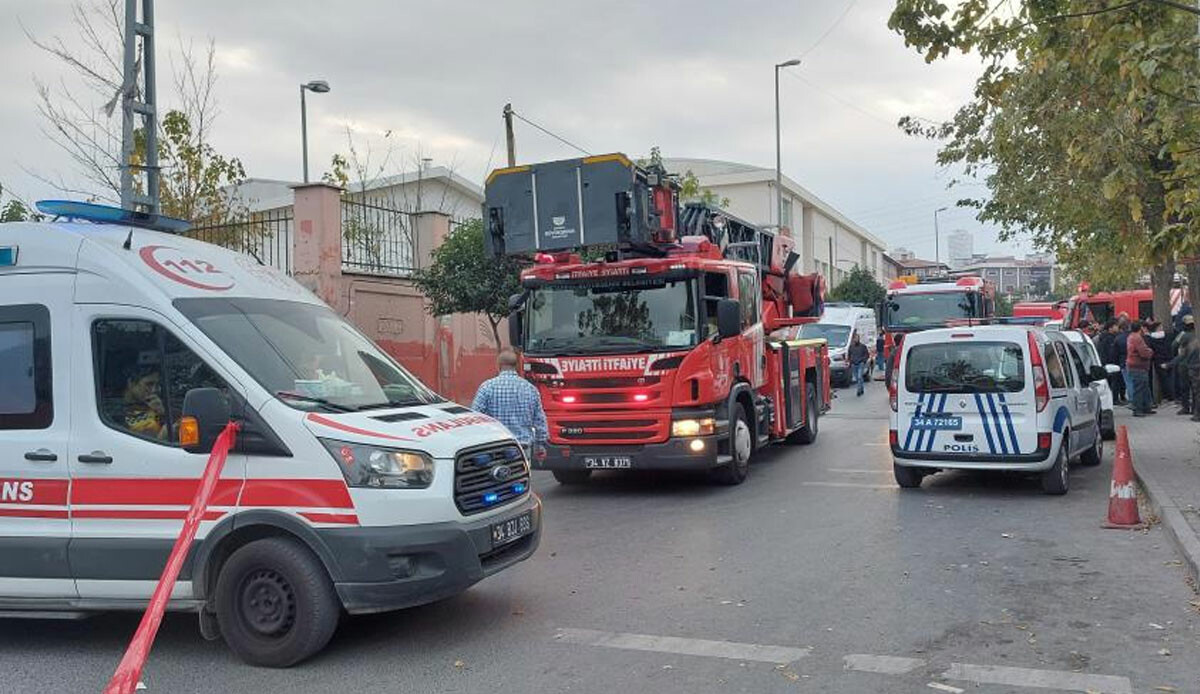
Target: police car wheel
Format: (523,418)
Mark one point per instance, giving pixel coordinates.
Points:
(572,476)
(741,445)
(1095,453)
(1056,479)
(908,477)
(275,603)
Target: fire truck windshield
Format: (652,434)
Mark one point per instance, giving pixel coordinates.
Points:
(643,317)
(928,309)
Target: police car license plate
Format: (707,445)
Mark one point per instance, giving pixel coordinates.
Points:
(505,532)
(607,462)
(938,421)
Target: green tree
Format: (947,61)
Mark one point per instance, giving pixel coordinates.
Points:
(1083,127)
(690,189)
(859,287)
(463,278)
(1004,305)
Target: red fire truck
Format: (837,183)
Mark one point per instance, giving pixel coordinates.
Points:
(657,352)
(1099,307)
(933,303)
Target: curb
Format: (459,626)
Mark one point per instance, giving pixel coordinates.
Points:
(1186,539)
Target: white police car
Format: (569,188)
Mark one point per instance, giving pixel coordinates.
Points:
(995,397)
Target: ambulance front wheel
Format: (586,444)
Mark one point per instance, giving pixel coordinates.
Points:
(275,603)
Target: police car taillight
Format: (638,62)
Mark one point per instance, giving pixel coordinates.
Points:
(1044,441)
(1041,390)
(893,437)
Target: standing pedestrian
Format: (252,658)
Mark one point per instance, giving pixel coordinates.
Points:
(880,358)
(1105,347)
(860,356)
(1137,363)
(1185,392)
(1120,353)
(1159,340)
(515,403)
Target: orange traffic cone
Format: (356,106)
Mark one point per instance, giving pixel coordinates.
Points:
(1122,497)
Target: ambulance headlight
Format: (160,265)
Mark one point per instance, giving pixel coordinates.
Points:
(381,468)
(693,427)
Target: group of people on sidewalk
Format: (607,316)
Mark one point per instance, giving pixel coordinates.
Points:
(1156,363)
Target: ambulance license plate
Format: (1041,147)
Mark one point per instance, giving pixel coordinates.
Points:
(512,529)
(607,462)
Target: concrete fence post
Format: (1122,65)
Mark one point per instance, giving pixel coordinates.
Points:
(317,252)
(430,230)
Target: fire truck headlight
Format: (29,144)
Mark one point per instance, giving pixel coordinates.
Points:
(693,427)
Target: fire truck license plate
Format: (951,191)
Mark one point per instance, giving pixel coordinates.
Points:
(607,462)
(512,529)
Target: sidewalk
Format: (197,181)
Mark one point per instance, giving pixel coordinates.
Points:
(1166,457)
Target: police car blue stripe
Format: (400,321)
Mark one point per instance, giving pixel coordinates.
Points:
(983,419)
(941,408)
(1016,445)
(996,421)
(917,413)
(928,404)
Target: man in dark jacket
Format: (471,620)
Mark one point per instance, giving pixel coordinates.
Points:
(1119,354)
(1105,346)
(1159,340)
(859,357)
(1184,391)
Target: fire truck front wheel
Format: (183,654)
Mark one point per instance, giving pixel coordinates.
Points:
(741,445)
(276,605)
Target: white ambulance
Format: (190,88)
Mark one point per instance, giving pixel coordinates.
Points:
(995,397)
(352,487)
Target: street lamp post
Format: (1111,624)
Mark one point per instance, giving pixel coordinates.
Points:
(316,87)
(778,152)
(937,244)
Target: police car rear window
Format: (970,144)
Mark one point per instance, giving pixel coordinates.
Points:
(965,367)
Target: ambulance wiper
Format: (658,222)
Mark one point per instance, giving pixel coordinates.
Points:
(301,397)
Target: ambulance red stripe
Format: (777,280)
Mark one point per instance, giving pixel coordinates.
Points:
(140,514)
(322,493)
(334,424)
(32,513)
(46,492)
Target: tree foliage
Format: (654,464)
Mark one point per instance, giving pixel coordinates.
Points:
(1084,126)
(463,278)
(15,210)
(859,287)
(690,189)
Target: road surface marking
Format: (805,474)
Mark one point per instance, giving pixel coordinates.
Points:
(856,471)
(881,445)
(681,646)
(857,485)
(882,664)
(1046,679)
(944,688)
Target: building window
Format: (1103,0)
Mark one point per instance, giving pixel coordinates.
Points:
(785,212)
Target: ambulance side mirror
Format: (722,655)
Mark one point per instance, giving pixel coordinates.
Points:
(729,318)
(205,413)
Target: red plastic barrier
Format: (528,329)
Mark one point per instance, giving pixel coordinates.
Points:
(129,671)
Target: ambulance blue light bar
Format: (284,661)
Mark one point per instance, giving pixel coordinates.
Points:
(104,214)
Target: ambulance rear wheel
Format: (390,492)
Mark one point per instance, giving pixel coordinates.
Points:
(275,603)
(908,477)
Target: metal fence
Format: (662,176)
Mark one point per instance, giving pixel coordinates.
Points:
(377,240)
(266,235)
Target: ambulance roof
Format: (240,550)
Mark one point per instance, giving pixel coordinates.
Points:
(155,267)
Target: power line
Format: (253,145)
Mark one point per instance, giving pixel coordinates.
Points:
(557,137)
(836,22)
(840,100)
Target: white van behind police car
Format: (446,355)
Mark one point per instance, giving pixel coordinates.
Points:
(996,397)
(352,486)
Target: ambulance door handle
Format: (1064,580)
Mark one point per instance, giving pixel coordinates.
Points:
(96,457)
(41,455)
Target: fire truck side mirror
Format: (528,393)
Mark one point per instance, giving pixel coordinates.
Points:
(729,318)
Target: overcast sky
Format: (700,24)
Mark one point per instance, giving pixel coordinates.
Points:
(694,78)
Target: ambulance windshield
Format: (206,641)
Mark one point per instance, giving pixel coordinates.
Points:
(305,354)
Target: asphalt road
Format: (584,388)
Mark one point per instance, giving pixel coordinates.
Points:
(666,584)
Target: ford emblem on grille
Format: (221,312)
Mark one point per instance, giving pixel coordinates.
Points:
(501,473)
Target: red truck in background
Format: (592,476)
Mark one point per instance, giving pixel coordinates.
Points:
(1138,304)
(1047,310)
(937,303)
(659,353)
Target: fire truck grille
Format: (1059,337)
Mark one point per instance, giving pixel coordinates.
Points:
(615,382)
(488,477)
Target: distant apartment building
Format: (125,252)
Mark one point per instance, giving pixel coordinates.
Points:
(1014,276)
(960,245)
(921,269)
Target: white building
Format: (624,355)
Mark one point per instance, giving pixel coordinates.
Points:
(960,246)
(828,242)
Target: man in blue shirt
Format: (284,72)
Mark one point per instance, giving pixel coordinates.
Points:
(514,402)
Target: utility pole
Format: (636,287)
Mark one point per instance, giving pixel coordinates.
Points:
(132,108)
(778,147)
(937,250)
(509,139)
